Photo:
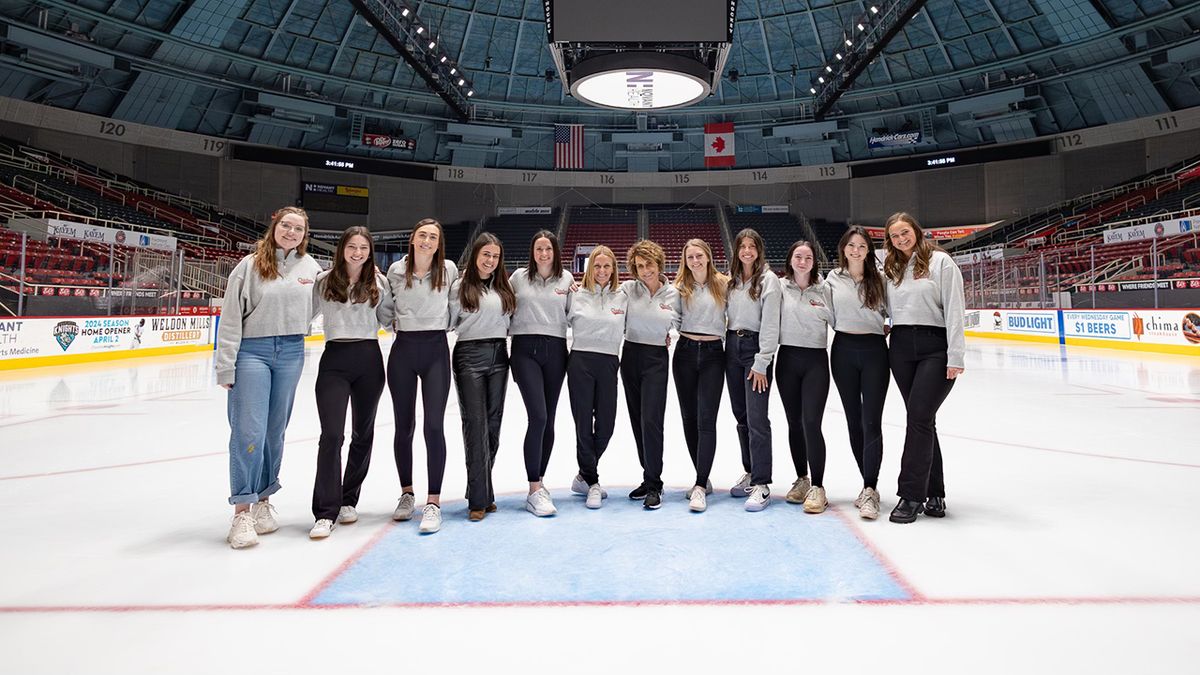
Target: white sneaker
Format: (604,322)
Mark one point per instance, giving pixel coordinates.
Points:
(742,487)
(580,487)
(869,508)
(540,504)
(431,519)
(404,509)
(595,496)
(347,515)
(858,501)
(760,497)
(799,490)
(698,502)
(815,502)
(264,518)
(321,530)
(241,531)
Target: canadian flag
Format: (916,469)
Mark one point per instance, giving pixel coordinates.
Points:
(718,144)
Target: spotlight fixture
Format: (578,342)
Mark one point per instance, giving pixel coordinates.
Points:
(454,71)
(470,92)
(821,80)
(432,44)
(849,43)
(461,82)
(861,27)
(829,69)
(812,90)
(838,56)
(874,9)
(405,12)
(420,29)
(442,60)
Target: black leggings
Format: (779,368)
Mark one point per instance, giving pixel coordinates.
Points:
(644,373)
(699,370)
(423,355)
(802,374)
(539,364)
(860,370)
(350,371)
(481,376)
(918,359)
(592,386)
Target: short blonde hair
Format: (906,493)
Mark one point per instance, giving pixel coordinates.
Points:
(649,251)
(589,274)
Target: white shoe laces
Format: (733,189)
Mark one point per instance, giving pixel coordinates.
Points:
(431,511)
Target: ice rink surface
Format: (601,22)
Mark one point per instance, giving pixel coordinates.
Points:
(1070,545)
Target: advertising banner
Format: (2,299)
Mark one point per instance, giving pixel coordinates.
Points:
(1166,228)
(65,229)
(36,337)
(524,210)
(384,141)
(1013,321)
(897,140)
(1116,325)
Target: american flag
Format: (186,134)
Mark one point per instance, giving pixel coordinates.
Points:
(568,146)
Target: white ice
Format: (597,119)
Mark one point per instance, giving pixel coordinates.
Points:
(1070,544)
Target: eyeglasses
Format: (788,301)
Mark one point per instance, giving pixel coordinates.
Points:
(295,229)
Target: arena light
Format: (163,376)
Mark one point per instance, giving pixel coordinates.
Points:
(470,92)
(849,43)
(461,82)
(838,56)
(874,9)
(829,69)
(812,90)
(432,44)
(640,81)
(454,71)
(420,29)
(404,12)
(443,60)
(821,80)
(861,27)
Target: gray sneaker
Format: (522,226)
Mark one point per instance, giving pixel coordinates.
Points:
(404,509)
(799,490)
(742,487)
(579,487)
(869,508)
(347,515)
(595,497)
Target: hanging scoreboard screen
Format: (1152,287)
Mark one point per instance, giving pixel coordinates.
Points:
(334,198)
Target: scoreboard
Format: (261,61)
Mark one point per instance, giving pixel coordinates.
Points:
(334,198)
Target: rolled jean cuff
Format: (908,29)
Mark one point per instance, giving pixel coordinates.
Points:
(255,496)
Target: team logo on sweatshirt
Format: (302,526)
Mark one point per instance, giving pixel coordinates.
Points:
(816,303)
(615,310)
(306,281)
(560,291)
(664,306)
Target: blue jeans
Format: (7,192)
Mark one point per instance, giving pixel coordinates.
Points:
(749,406)
(259,407)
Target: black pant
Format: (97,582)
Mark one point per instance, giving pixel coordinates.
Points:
(350,371)
(860,370)
(592,387)
(699,370)
(423,355)
(749,407)
(539,364)
(481,375)
(918,359)
(804,388)
(644,372)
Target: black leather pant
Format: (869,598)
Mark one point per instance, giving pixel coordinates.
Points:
(481,377)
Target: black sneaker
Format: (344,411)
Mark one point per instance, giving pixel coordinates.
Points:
(906,511)
(935,507)
(639,492)
(653,499)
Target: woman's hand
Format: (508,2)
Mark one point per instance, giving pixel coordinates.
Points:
(227,386)
(953,373)
(760,383)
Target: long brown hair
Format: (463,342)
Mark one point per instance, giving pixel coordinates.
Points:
(473,286)
(787,265)
(718,283)
(870,291)
(589,273)
(556,267)
(437,269)
(264,249)
(760,263)
(337,286)
(897,260)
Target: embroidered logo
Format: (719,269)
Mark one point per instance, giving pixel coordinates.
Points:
(614,310)
(560,291)
(306,281)
(816,303)
(664,306)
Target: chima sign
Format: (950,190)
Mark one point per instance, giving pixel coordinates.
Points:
(896,140)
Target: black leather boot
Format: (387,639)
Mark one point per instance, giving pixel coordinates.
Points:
(935,507)
(906,511)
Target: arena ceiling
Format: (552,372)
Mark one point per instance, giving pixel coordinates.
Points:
(314,74)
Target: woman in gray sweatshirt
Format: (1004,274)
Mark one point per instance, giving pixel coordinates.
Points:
(481,305)
(353,297)
(259,357)
(750,342)
(802,371)
(652,313)
(858,359)
(925,301)
(420,286)
(539,353)
(597,321)
(699,363)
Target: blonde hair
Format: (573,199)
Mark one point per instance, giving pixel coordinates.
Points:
(264,250)
(589,274)
(718,283)
(647,250)
(897,260)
